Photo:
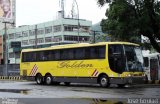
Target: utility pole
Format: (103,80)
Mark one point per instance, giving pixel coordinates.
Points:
(78,19)
(5,51)
(94,35)
(35,36)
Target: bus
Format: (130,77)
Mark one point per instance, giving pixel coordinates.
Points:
(104,63)
(152,66)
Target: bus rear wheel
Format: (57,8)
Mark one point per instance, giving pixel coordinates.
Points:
(39,79)
(48,80)
(104,81)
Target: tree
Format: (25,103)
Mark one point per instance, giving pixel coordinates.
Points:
(128,19)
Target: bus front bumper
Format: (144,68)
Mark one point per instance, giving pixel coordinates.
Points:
(129,80)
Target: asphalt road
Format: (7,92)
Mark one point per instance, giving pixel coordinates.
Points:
(31,93)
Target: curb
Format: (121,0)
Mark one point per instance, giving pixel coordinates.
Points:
(10,78)
(153,82)
(157,81)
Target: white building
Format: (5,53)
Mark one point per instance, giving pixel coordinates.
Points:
(61,31)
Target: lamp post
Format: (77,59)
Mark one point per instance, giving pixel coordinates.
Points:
(78,18)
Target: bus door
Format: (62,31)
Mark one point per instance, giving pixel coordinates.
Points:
(154,69)
(116,58)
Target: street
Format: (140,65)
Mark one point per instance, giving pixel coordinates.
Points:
(23,90)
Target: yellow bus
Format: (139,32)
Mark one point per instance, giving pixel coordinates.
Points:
(104,63)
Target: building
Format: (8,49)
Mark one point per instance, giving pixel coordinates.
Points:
(60,31)
(1,47)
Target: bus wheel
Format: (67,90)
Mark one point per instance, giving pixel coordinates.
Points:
(48,79)
(67,83)
(121,85)
(104,81)
(39,79)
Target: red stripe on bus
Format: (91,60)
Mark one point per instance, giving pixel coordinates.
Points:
(94,72)
(32,69)
(35,70)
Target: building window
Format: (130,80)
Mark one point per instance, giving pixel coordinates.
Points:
(40,40)
(11,55)
(32,41)
(25,33)
(25,42)
(17,55)
(40,31)
(57,39)
(57,28)
(11,36)
(75,38)
(48,29)
(31,32)
(70,28)
(18,35)
(48,39)
(84,29)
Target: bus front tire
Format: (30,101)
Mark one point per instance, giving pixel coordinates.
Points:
(39,79)
(104,81)
(48,80)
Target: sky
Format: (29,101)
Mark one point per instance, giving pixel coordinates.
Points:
(29,12)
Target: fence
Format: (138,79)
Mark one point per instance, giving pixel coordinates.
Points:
(12,70)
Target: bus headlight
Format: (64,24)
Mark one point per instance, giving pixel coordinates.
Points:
(128,75)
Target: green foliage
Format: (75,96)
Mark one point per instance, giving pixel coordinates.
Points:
(129,19)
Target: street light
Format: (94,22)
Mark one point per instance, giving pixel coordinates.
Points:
(78,18)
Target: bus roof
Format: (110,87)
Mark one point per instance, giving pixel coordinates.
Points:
(78,45)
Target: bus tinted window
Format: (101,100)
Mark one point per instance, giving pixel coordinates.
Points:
(94,52)
(101,51)
(56,55)
(79,53)
(67,54)
(97,52)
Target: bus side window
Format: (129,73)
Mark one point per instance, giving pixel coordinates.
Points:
(57,55)
(79,53)
(33,56)
(51,55)
(101,52)
(94,52)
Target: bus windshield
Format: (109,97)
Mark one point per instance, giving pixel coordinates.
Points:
(134,59)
